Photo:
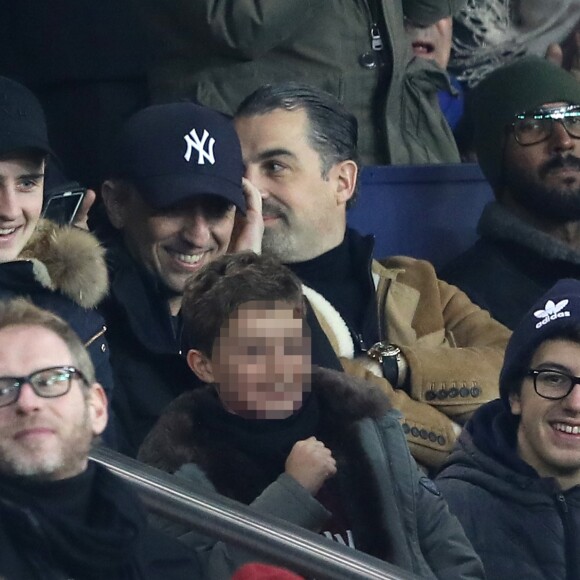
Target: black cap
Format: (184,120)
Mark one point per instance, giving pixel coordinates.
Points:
(22,122)
(177,151)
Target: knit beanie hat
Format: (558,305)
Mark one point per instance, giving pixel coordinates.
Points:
(427,12)
(553,313)
(521,86)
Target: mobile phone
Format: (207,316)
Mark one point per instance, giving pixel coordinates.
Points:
(62,207)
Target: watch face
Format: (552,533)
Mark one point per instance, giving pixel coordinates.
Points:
(391,350)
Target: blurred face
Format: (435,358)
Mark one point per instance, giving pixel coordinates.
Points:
(173,243)
(544,178)
(548,433)
(21,191)
(261,361)
(304,212)
(45,438)
(431,42)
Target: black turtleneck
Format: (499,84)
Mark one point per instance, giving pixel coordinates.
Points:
(335,276)
(86,526)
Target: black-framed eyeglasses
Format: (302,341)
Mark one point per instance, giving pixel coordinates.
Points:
(47,383)
(532,128)
(551,384)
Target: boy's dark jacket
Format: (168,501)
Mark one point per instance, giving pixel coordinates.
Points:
(396,514)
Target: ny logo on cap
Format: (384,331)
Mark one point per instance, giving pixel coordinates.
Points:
(194,142)
(551,312)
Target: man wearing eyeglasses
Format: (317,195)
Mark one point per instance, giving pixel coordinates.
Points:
(62,516)
(513,479)
(527,137)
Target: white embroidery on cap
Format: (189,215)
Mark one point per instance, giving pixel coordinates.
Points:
(194,142)
(551,311)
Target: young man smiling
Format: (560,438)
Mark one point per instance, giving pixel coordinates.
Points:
(61,269)
(514,479)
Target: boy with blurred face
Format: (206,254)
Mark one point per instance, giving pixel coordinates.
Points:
(293,440)
(175,197)
(514,478)
(60,515)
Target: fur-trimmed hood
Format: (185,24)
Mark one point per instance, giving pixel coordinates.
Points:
(70,260)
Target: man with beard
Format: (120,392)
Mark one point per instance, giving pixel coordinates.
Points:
(62,516)
(436,353)
(527,136)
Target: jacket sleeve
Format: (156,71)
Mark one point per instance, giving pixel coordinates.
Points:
(443,541)
(454,348)
(285,498)
(245,29)
(430,433)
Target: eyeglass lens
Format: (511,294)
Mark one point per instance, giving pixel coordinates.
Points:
(52,382)
(537,128)
(553,384)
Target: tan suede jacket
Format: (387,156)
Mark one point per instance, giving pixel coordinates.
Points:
(454,351)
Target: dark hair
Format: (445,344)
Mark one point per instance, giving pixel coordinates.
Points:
(222,286)
(570,332)
(333,130)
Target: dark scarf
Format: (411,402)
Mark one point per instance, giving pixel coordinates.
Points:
(86,526)
(267,441)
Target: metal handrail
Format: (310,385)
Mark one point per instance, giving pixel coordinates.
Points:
(225,520)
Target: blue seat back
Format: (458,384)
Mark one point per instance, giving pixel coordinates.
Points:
(428,211)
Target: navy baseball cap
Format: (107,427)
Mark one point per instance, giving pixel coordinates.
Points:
(177,151)
(22,121)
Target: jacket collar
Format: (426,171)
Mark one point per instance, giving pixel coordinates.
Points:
(64,259)
(498,223)
(137,297)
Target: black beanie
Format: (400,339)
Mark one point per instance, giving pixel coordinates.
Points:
(521,86)
(427,12)
(556,310)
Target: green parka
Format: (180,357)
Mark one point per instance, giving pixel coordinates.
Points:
(219,51)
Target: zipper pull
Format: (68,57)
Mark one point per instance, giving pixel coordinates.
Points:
(376,40)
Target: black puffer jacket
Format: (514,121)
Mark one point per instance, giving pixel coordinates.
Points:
(521,525)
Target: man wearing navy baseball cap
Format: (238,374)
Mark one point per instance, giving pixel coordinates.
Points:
(177,199)
(513,479)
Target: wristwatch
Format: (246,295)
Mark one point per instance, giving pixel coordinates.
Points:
(390,358)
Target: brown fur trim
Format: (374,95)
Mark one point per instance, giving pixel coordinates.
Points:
(74,260)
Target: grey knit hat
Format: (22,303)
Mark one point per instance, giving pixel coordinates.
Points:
(522,86)
(553,313)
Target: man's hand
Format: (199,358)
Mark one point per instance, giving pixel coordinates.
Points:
(248,229)
(310,463)
(82,216)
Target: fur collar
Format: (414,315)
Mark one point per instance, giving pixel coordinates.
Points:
(70,260)
(173,441)
(497,223)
